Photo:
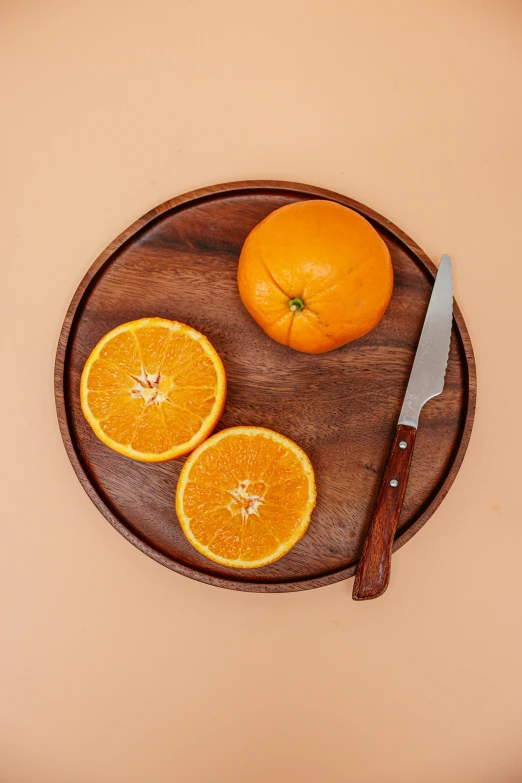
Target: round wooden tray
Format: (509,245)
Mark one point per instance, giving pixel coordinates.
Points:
(179,261)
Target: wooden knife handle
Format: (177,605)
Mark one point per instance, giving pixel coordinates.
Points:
(373,574)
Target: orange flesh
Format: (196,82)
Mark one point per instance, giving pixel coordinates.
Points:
(245,496)
(153,389)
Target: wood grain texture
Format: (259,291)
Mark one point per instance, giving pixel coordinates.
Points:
(179,261)
(373,574)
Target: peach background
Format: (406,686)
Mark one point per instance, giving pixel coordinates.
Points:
(114,669)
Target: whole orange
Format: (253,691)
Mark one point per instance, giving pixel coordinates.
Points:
(315,275)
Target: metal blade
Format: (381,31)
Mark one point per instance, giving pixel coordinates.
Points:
(429,367)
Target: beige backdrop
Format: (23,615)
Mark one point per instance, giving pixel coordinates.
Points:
(115,670)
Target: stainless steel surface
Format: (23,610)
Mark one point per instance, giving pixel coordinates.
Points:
(394,483)
(429,367)
(403,444)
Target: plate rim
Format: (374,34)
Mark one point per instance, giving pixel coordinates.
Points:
(61,363)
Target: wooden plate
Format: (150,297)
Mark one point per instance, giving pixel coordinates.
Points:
(179,261)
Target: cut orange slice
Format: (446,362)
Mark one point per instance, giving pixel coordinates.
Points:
(245,496)
(153,389)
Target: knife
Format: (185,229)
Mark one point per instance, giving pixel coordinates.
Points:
(426,381)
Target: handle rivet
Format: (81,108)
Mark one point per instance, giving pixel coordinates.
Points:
(403,444)
(394,483)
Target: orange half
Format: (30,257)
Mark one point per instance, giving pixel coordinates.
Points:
(153,389)
(245,496)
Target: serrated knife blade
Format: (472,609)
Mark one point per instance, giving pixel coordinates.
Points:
(431,359)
